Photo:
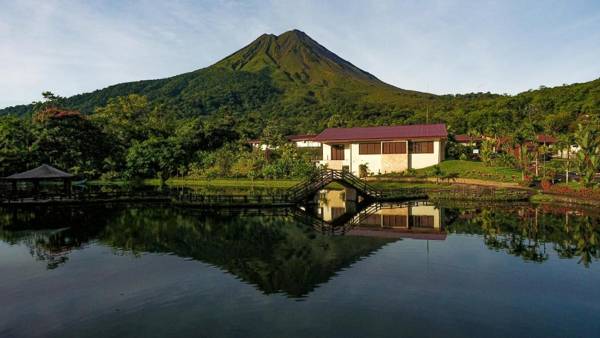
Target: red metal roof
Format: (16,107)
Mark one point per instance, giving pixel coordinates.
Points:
(301,137)
(549,139)
(541,138)
(462,138)
(383,133)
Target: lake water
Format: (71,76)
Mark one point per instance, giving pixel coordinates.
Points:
(392,270)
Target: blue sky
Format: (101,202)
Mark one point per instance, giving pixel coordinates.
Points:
(442,47)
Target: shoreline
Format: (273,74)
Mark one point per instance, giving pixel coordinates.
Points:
(391,184)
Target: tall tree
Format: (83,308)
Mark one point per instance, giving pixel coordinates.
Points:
(70,141)
(588,156)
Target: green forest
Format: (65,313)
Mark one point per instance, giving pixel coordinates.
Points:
(197,124)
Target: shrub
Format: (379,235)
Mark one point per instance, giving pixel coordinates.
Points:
(546,184)
(363,170)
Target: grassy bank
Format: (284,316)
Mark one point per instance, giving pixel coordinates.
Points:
(475,170)
(225,182)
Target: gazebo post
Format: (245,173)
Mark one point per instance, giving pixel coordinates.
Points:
(67,186)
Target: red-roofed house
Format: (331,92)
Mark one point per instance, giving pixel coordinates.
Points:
(383,149)
(467,140)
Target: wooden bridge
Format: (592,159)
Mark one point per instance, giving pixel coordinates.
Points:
(305,191)
(300,194)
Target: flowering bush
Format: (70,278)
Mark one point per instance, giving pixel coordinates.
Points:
(546,184)
(568,191)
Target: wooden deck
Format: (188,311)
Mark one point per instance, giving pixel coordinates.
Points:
(81,198)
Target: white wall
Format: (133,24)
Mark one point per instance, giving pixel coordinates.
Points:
(337,164)
(418,161)
(375,162)
(307,144)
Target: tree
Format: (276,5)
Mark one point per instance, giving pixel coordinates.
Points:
(588,156)
(154,157)
(523,139)
(17,150)
(70,141)
(438,173)
(486,152)
(563,144)
(126,118)
(336,121)
(220,130)
(274,134)
(190,135)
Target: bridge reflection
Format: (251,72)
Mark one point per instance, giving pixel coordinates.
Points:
(335,214)
(270,249)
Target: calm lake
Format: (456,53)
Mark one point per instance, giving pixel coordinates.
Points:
(333,270)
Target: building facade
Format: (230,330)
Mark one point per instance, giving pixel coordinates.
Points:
(300,141)
(383,149)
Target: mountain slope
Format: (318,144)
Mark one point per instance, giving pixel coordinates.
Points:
(293,78)
(292,67)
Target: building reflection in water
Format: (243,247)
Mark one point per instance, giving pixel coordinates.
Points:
(337,215)
(270,249)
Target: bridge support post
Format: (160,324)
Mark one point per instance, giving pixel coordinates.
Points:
(351,199)
(351,195)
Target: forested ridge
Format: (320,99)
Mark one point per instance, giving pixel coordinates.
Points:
(197,123)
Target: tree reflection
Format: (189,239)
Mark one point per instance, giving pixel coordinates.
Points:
(51,234)
(524,231)
(274,253)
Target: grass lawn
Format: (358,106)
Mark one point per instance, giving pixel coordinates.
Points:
(226,182)
(476,170)
(387,185)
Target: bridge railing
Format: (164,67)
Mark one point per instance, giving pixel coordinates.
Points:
(324,177)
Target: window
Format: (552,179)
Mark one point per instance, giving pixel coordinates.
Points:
(373,219)
(394,221)
(337,152)
(422,221)
(421,147)
(394,147)
(337,212)
(369,148)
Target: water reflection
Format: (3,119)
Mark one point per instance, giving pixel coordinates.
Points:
(268,249)
(526,231)
(335,215)
(277,252)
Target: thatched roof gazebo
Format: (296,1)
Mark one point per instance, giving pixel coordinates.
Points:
(39,174)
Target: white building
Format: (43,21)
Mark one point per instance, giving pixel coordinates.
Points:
(300,141)
(383,149)
(304,141)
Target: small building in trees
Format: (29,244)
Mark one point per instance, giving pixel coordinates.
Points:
(383,149)
(43,173)
(469,141)
(300,141)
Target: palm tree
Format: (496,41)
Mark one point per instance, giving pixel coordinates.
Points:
(588,156)
(523,138)
(564,143)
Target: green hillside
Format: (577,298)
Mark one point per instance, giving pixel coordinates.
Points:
(294,79)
